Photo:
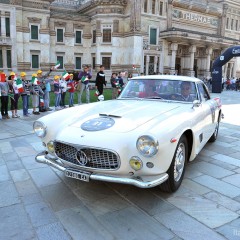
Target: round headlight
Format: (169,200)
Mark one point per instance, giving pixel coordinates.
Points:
(39,128)
(147,146)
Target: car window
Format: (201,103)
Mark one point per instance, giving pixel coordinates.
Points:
(160,88)
(204,95)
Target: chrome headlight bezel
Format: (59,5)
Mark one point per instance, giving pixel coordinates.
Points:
(147,145)
(40,129)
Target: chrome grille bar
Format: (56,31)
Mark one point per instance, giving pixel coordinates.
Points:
(97,158)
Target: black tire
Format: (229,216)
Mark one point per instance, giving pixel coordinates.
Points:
(176,175)
(213,138)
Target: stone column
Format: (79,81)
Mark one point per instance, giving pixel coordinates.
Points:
(225,70)
(169,13)
(223,20)
(192,51)
(13,35)
(174,47)
(98,43)
(155,63)
(135,16)
(161,62)
(147,64)
(4,55)
(234,73)
(3,24)
(142,64)
(209,52)
(231,70)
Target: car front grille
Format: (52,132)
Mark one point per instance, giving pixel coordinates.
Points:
(87,157)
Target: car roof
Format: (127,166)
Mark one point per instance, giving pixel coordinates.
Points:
(168,77)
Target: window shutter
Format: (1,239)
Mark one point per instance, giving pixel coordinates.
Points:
(78,37)
(35,61)
(59,35)
(153,36)
(34,32)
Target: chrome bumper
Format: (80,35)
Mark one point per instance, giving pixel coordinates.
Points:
(44,158)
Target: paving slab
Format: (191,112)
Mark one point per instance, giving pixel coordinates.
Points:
(186,227)
(53,231)
(195,187)
(231,230)
(211,169)
(233,179)
(40,214)
(135,226)
(26,187)
(19,175)
(4,174)
(81,224)
(204,210)
(15,224)
(223,201)
(218,185)
(227,159)
(9,195)
(44,177)
(60,197)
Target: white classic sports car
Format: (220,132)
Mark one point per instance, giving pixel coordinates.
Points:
(143,138)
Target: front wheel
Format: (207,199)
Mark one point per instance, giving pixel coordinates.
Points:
(177,167)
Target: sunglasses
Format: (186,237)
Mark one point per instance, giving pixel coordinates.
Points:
(185,88)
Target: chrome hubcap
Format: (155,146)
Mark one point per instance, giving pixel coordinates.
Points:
(216,129)
(179,162)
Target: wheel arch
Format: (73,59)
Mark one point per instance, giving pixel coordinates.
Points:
(189,135)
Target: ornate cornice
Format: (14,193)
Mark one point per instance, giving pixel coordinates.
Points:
(23,29)
(78,26)
(87,36)
(88,6)
(69,34)
(23,66)
(203,6)
(44,4)
(44,30)
(34,20)
(69,67)
(59,24)
(52,33)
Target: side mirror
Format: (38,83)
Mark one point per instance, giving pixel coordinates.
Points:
(196,103)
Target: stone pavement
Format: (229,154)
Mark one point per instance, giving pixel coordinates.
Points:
(38,202)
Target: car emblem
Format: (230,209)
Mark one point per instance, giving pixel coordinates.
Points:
(81,158)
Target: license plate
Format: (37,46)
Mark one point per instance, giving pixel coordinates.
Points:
(83,176)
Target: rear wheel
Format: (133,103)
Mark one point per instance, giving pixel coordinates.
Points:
(177,167)
(213,138)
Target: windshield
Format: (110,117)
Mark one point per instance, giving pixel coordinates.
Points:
(175,90)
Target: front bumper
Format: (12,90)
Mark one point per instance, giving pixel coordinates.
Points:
(43,157)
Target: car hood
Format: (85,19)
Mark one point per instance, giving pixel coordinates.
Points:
(122,115)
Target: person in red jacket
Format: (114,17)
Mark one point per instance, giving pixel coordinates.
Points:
(71,89)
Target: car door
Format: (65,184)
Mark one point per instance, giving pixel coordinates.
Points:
(208,108)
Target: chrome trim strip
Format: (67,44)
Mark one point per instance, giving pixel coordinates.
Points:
(44,158)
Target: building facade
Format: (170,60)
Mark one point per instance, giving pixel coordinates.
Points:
(152,36)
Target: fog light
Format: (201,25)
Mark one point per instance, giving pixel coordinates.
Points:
(136,163)
(150,165)
(50,146)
